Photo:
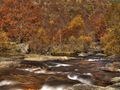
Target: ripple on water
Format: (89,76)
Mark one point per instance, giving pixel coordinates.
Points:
(38,71)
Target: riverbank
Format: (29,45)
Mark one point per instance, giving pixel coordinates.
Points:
(36,57)
(10,61)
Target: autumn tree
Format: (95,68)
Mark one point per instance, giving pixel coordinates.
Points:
(74,37)
(19,18)
(40,42)
(111,40)
(4,40)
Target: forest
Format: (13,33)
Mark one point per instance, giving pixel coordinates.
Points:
(60,26)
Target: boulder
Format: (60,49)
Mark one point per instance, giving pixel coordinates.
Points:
(115,86)
(23,48)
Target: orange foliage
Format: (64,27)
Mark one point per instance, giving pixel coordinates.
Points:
(19,17)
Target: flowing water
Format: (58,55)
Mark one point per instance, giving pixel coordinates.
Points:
(56,75)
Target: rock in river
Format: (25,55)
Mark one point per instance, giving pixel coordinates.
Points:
(116,79)
(90,87)
(112,67)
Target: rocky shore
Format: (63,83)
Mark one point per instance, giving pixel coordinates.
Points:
(93,87)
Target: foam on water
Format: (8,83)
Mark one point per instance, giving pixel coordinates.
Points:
(82,80)
(95,59)
(85,81)
(89,74)
(34,70)
(7,82)
(60,65)
(39,71)
(74,77)
(31,69)
(48,87)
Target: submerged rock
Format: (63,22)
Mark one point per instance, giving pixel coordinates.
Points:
(85,87)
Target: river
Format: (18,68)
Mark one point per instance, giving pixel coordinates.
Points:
(56,74)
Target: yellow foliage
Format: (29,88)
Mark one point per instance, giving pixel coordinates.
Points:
(111,42)
(76,22)
(86,39)
(3,40)
(6,47)
(3,37)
